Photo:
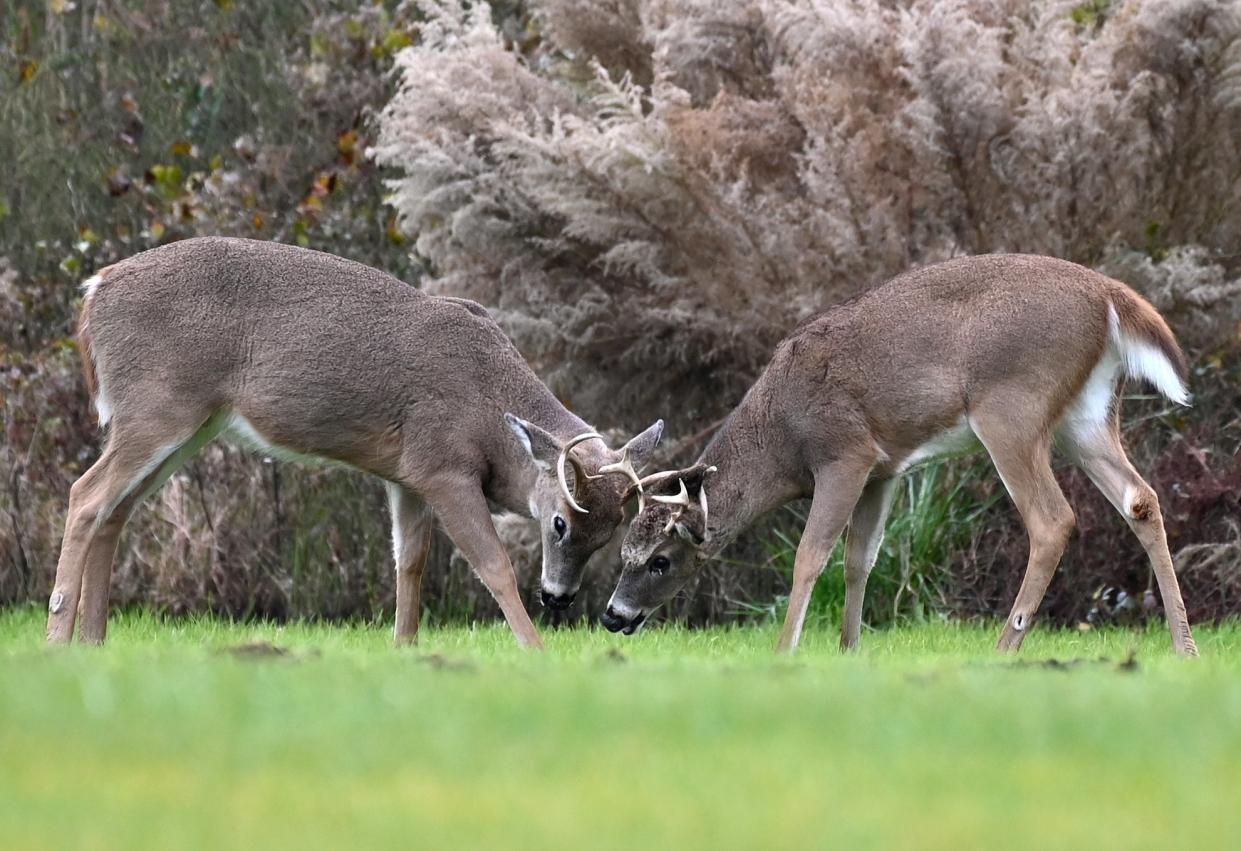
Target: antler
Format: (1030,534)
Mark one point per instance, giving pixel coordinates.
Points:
(656,478)
(702,494)
(625,467)
(560,462)
(682,499)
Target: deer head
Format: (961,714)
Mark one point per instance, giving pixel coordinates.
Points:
(579,498)
(663,548)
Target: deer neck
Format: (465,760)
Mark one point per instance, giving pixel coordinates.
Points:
(750,480)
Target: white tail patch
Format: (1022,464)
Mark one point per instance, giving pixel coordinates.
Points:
(1142,359)
(103,402)
(90,285)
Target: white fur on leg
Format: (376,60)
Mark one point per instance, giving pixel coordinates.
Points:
(153,464)
(394,501)
(956,440)
(1089,413)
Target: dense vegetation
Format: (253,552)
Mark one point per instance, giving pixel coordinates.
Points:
(649,193)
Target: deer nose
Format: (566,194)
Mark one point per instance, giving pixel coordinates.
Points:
(612,621)
(557,601)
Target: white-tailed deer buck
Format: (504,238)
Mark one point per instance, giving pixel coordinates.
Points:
(1011,351)
(303,354)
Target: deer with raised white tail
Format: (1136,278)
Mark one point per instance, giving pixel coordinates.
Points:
(1011,352)
(307,355)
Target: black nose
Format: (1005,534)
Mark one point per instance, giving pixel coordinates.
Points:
(611,621)
(557,601)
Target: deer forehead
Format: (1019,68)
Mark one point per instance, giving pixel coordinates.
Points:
(637,552)
(601,496)
(647,531)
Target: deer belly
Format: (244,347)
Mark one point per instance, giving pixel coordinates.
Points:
(959,439)
(240,430)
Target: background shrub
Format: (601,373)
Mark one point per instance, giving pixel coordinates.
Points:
(654,193)
(649,195)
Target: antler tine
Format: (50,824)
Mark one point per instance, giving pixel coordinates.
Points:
(653,478)
(622,466)
(702,494)
(682,497)
(617,467)
(560,467)
(625,467)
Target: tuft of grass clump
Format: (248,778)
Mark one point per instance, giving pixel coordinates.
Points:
(936,515)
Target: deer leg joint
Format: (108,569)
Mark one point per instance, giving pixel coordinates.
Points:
(57,602)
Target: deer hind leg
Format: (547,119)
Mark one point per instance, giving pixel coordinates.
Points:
(96,579)
(836,492)
(861,549)
(1022,456)
(139,456)
(1101,456)
(412,524)
(462,510)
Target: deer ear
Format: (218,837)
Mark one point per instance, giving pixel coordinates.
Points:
(643,445)
(691,527)
(542,447)
(694,478)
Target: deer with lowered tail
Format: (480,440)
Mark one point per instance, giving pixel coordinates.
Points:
(309,356)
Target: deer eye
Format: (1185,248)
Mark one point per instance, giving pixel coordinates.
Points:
(658,565)
(559,525)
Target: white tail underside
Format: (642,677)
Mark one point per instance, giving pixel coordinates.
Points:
(103,402)
(90,285)
(1143,360)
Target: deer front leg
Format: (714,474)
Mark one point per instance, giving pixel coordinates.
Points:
(462,510)
(836,490)
(412,526)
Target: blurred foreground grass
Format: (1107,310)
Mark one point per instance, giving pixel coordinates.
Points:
(326,736)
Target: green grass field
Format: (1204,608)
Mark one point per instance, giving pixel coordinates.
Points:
(170,737)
